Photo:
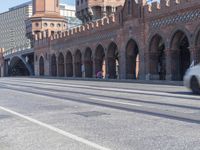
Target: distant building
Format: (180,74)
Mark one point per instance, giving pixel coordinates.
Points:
(69,11)
(90,10)
(13,27)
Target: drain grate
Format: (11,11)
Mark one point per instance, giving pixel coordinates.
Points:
(91,114)
(4,116)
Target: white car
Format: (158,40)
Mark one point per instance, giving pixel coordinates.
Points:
(192,79)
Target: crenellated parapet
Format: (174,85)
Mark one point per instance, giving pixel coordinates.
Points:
(42,39)
(168,6)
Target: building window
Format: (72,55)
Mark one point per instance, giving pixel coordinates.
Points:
(37,24)
(52,25)
(45,24)
(77,2)
(58,25)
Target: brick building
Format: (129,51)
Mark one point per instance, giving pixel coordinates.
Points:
(139,41)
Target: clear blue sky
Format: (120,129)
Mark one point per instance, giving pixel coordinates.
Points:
(10,3)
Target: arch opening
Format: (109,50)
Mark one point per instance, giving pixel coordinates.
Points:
(88,63)
(180,55)
(41,66)
(157,58)
(53,65)
(18,68)
(78,64)
(61,65)
(132,60)
(100,65)
(69,65)
(113,61)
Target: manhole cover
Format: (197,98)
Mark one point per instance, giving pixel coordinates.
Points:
(4,116)
(91,114)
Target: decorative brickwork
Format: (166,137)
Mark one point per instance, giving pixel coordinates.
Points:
(139,41)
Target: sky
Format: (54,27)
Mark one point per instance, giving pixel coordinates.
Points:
(10,3)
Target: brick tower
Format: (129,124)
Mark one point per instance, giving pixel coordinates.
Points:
(88,10)
(46,18)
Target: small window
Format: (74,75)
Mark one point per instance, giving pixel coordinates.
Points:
(58,25)
(52,24)
(37,24)
(45,25)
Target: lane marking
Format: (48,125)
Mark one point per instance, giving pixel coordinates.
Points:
(57,130)
(124,103)
(112,89)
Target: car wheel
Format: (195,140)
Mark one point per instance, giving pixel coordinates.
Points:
(195,85)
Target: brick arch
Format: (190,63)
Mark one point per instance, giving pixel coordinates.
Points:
(161,34)
(157,57)
(196,37)
(69,64)
(54,65)
(183,30)
(78,63)
(61,65)
(88,63)
(180,53)
(99,58)
(113,61)
(132,59)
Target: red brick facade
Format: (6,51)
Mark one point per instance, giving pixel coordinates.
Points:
(138,42)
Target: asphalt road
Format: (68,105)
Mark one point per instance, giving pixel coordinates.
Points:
(49,114)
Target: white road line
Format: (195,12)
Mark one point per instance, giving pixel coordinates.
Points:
(117,89)
(124,103)
(59,131)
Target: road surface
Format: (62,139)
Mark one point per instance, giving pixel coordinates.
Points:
(52,114)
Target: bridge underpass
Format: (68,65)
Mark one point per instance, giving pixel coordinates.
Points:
(19,63)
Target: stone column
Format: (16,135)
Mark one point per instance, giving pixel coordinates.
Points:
(47,66)
(94,67)
(122,65)
(36,65)
(103,11)
(1,63)
(74,66)
(168,65)
(195,54)
(65,65)
(106,61)
(153,66)
(147,65)
(174,64)
(142,64)
(57,66)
